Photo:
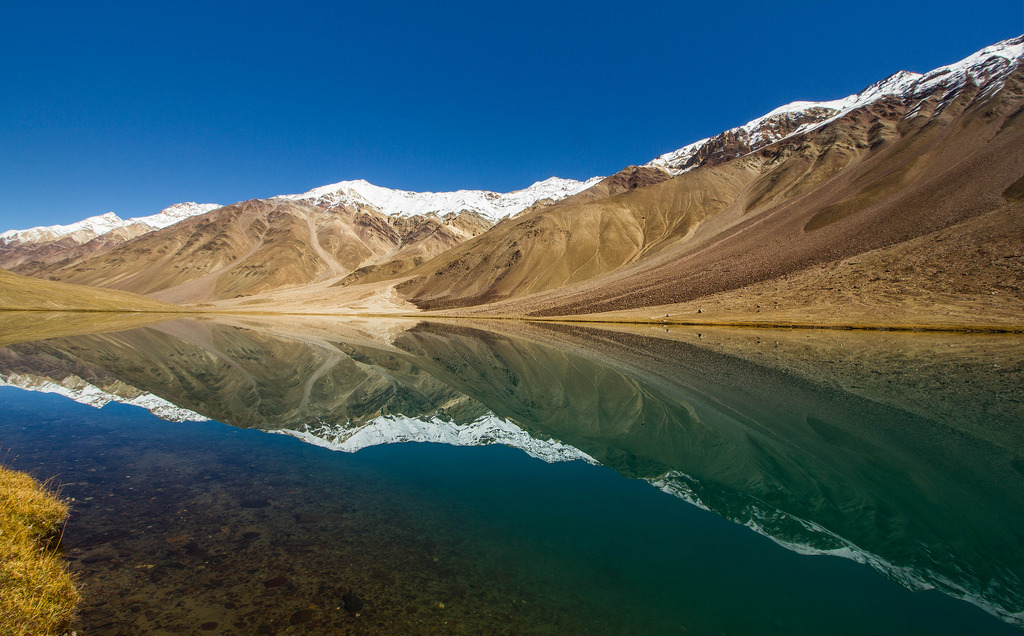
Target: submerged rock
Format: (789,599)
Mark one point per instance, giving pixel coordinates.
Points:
(301,616)
(352,602)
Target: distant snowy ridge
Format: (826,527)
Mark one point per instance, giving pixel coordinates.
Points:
(91,227)
(988,69)
(80,391)
(360,193)
(492,205)
(88,229)
(394,429)
(175,213)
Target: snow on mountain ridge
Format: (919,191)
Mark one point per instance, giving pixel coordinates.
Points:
(92,226)
(493,205)
(88,229)
(759,132)
(987,68)
(177,212)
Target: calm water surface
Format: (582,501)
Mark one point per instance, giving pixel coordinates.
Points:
(456,478)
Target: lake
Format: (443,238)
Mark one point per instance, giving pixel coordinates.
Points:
(307,475)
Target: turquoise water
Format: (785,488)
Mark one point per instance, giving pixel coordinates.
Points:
(203,527)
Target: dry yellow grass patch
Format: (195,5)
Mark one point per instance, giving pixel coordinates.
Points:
(37,595)
(24,293)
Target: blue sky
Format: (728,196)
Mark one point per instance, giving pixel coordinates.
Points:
(132,107)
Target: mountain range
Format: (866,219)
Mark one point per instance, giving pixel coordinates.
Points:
(900,205)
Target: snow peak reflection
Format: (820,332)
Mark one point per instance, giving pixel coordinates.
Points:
(810,439)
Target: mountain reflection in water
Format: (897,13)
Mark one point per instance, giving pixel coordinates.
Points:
(903,452)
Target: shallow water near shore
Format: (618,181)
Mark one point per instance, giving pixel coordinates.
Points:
(445,478)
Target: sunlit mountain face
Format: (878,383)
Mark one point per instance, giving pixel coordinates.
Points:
(898,452)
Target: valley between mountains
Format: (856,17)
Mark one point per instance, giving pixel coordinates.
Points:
(901,206)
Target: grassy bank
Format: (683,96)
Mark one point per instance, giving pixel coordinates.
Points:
(24,293)
(37,595)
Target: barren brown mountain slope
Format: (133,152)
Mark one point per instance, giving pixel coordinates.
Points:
(571,243)
(258,246)
(629,178)
(33,257)
(423,238)
(920,284)
(882,175)
(208,254)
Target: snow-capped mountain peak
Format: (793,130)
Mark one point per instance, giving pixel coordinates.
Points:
(492,205)
(85,229)
(988,69)
(88,229)
(175,213)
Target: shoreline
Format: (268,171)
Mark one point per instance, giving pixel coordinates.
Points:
(960,328)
